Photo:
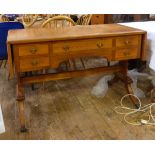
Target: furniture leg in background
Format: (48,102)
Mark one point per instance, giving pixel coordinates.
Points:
(128,81)
(123,76)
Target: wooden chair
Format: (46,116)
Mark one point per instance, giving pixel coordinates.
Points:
(29,19)
(58,22)
(4,18)
(53,15)
(84,19)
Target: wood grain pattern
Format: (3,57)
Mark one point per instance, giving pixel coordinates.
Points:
(74,32)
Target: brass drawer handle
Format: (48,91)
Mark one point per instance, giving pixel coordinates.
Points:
(33,50)
(126,53)
(99,44)
(34,62)
(126,42)
(66,48)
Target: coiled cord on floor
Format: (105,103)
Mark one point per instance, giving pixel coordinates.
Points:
(146,109)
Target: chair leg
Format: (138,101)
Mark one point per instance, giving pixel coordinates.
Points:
(82,63)
(5,62)
(1,62)
(71,65)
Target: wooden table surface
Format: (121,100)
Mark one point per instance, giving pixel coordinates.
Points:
(44,34)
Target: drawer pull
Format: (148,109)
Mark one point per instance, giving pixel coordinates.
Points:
(33,50)
(126,53)
(126,42)
(66,48)
(99,45)
(34,62)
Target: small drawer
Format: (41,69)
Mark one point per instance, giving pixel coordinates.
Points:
(33,49)
(127,41)
(31,64)
(124,54)
(81,45)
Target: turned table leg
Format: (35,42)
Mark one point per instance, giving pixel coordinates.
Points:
(123,76)
(128,81)
(21,108)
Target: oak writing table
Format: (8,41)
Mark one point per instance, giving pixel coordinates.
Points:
(41,48)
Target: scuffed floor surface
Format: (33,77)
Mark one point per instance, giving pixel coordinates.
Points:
(66,109)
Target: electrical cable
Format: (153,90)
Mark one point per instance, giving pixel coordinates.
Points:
(146,109)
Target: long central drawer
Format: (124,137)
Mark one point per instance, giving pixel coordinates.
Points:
(61,47)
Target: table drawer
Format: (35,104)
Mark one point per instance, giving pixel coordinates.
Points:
(31,64)
(81,45)
(127,41)
(124,54)
(33,49)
